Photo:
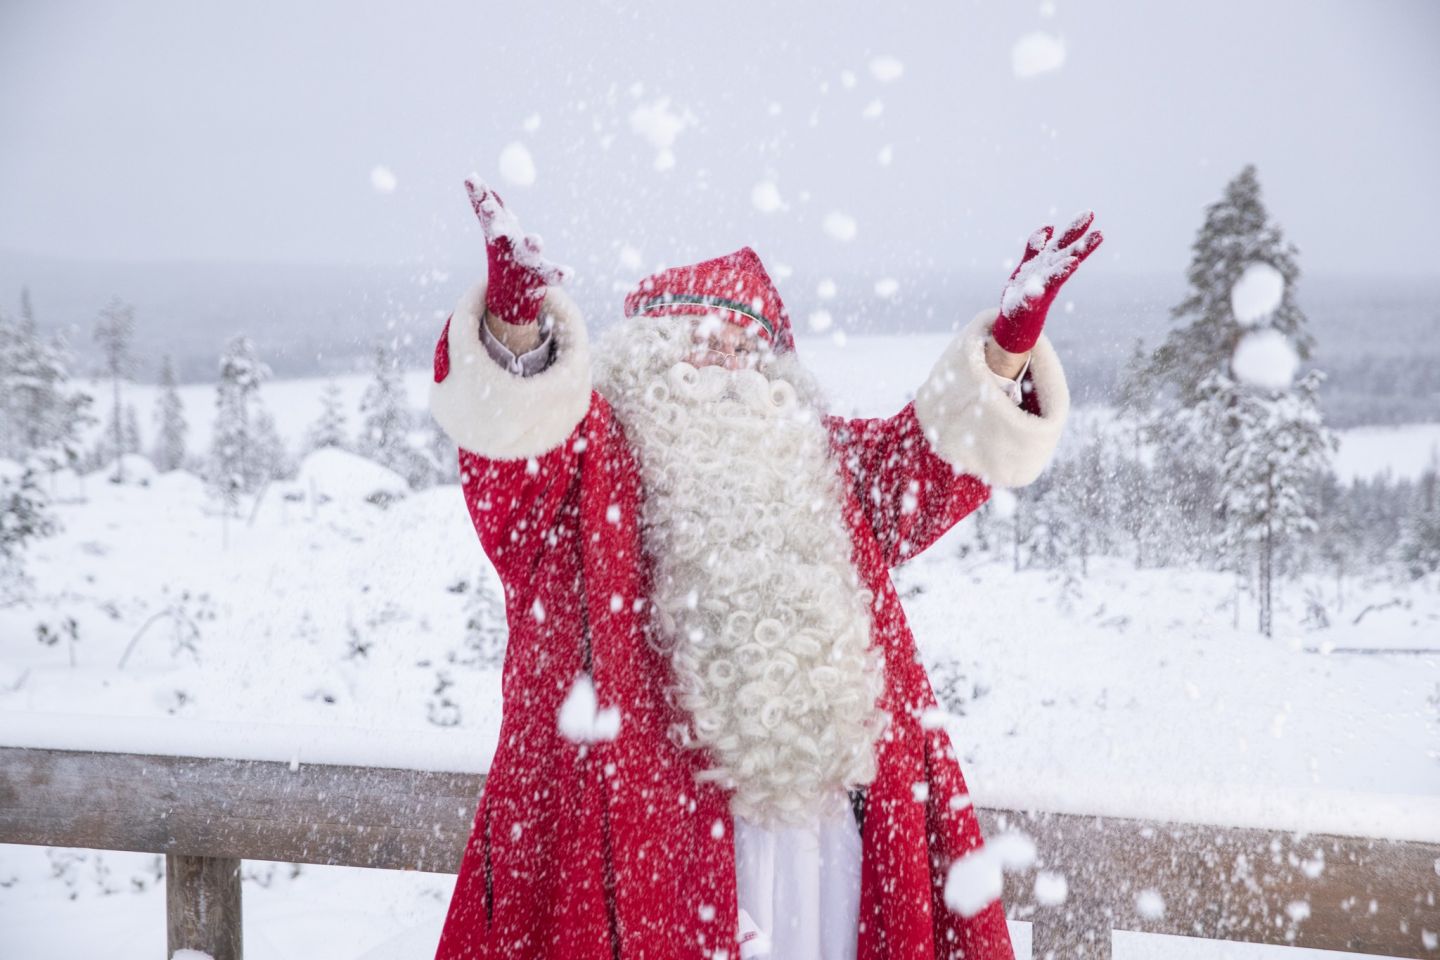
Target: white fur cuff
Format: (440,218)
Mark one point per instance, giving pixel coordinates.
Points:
(975,427)
(495,413)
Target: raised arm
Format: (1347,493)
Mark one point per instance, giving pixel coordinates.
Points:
(516,424)
(919,472)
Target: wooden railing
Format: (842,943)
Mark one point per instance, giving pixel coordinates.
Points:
(1260,886)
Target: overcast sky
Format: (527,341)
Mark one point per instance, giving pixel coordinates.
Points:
(254,130)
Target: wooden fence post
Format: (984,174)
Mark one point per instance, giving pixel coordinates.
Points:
(202,905)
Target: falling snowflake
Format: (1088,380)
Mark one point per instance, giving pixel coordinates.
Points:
(1149,904)
(1051,888)
(658,124)
(1265,359)
(1257,294)
(765,197)
(581,720)
(516,165)
(973,882)
(1037,53)
(382,178)
(839,225)
(886,69)
(820,321)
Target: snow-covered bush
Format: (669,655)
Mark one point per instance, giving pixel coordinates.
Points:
(25,515)
(1419,548)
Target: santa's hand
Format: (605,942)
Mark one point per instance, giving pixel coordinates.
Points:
(518,273)
(1048,263)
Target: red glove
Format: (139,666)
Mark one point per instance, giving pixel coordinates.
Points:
(1031,289)
(518,274)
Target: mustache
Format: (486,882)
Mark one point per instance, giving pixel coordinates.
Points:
(751,389)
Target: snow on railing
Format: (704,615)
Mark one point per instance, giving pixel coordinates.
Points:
(1089,875)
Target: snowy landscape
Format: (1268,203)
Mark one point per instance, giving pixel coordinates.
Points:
(320,625)
(231,527)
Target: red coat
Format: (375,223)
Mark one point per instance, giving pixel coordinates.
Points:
(611,849)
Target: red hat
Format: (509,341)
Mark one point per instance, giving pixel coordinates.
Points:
(736,286)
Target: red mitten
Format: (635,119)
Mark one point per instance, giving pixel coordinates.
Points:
(1031,289)
(518,274)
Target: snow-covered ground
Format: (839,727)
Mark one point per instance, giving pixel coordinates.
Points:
(309,622)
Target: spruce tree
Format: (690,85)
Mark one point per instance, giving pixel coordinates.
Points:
(131,433)
(114,330)
(1237,233)
(11,420)
(40,414)
(1243,448)
(170,427)
(1274,445)
(233,450)
(329,430)
(271,459)
(25,515)
(1418,550)
(384,421)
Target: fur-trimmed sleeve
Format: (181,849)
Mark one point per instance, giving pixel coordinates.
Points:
(485,408)
(972,425)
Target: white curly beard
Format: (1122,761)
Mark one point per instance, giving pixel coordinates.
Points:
(757,601)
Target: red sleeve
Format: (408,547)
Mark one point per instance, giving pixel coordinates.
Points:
(909,496)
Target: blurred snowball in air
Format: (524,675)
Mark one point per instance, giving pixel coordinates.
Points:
(886,69)
(839,225)
(1257,293)
(1265,358)
(382,178)
(820,321)
(516,165)
(766,197)
(1037,53)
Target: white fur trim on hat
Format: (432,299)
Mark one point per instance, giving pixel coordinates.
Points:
(972,425)
(485,408)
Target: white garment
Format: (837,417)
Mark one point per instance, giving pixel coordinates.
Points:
(799,887)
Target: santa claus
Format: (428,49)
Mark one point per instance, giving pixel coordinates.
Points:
(714,742)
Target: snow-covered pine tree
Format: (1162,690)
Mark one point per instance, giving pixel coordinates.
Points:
(1237,234)
(40,414)
(25,515)
(131,432)
(329,430)
(382,407)
(170,427)
(271,460)
(486,632)
(385,420)
(114,330)
(440,450)
(1273,444)
(11,417)
(1418,550)
(231,469)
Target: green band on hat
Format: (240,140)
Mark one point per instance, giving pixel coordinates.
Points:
(709,301)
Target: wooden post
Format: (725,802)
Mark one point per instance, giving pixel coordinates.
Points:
(202,905)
